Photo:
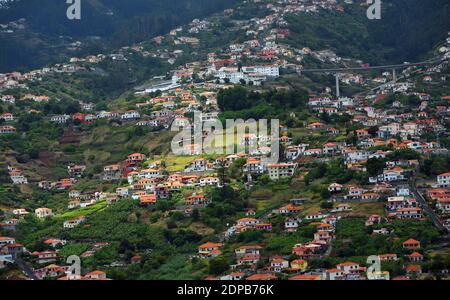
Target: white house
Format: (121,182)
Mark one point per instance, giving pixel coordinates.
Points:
(348,267)
(209,181)
(278,264)
(443,180)
(269,70)
(281,170)
(335,188)
(43,212)
(333,274)
(130,115)
(18,178)
(60,119)
(7,129)
(8,117)
(247,221)
(6,240)
(291,225)
(73,223)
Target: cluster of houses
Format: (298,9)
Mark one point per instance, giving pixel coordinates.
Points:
(150,182)
(51,270)
(247,265)
(439,198)
(9,250)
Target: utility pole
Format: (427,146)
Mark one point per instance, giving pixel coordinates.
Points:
(338,92)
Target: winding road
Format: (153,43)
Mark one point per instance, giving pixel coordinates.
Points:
(26,269)
(430,212)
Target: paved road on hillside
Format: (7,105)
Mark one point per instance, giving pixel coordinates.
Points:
(431,213)
(26,269)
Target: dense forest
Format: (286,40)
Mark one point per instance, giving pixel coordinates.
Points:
(116,22)
(408,30)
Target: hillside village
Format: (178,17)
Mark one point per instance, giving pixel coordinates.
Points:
(365,174)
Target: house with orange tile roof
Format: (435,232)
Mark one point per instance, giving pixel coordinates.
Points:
(306,277)
(349,267)
(248,259)
(247,221)
(278,264)
(288,209)
(316,126)
(401,278)
(262,276)
(207,249)
(45,256)
(6,240)
(411,244)
(136,158)
(254,165)
(55,242)
(95,275)
(415,257)
(299,265)
(199,199)
(233,276)
(388,257)
(147,199)
(413,269)
(333,274)
(322,235)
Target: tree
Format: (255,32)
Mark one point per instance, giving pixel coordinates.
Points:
(72,108)
(125,246)
(195,215)
(34,153)
(326,205)
(218,266)
(138,131)
(325,194)
(375,166)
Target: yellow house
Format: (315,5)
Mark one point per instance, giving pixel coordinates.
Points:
(247,249)
(208,248)
(299,264)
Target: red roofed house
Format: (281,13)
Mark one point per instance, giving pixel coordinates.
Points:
(45,256)
(443,180)
(6,240)
(348,267)
(136,158)
(299,264)
(333,274)
(208,248)
(263,276)
(306,277)
(147,199)
(411,244)
(315,126)
(95,275)
(7,129)
(417,269)
(415,257)
(278,264)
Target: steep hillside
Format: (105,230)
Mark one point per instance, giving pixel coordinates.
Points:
(411,28)
(115,22)
(408,30)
